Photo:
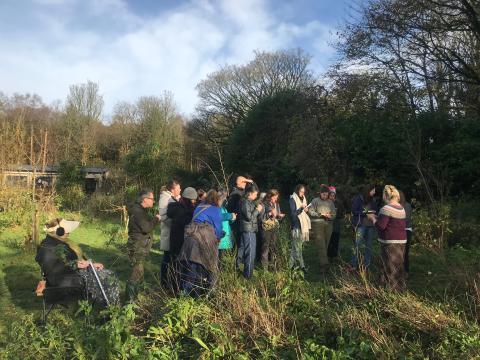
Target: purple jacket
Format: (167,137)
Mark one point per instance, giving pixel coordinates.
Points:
(391,225)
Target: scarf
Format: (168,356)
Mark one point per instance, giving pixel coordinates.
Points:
(305,224)
(76,249)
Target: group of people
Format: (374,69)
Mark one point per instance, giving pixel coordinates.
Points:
(197,230)
(198,227)
(392,223)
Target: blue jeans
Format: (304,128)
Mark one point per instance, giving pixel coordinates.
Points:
(249,246)
(362,252)
(195,280)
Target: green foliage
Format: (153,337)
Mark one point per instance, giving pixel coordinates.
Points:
(83,336)
(278,314)
(263,140)
(150,164)
(17,207)
(69,175)
(432,226)
(71,198)
(69,186)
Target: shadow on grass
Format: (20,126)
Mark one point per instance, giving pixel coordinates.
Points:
(118,261)
(21,281)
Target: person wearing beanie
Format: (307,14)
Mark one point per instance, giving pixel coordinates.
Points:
(322,213)
(180,212)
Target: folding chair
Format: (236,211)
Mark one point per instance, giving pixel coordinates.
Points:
(61,295)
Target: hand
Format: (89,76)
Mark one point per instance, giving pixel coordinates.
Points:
(82,264)
(372,217)
(259,207)
(98,266)
(327,215)
(281,216)
(273,213)
(158,216)
(234,216)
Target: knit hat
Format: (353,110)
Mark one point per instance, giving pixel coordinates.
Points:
(323,189)
(190,193)
(332,189)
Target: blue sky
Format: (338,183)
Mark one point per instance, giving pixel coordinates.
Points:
(144,47)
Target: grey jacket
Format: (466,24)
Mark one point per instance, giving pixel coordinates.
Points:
(165,222)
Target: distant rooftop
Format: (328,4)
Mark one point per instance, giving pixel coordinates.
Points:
(54,169)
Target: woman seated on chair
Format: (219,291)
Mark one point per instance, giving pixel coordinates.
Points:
(64,265)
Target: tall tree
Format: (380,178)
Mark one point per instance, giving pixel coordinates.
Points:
(83,112)
(227,95)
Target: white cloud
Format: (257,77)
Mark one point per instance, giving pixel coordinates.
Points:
(130,56)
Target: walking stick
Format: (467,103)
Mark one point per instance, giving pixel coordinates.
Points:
(98,281)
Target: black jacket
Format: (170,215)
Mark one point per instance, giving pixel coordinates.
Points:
(57,261)
(233,206)
(140,227)
(248,216)
(181,213)
(233,202)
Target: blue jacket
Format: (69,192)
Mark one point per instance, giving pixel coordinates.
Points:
(358,210)
(294,212)
(226,240)
(211,215)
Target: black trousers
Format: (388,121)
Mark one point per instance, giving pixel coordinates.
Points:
(407,251)
(333,245)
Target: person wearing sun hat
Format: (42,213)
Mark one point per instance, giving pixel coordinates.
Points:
(64,264)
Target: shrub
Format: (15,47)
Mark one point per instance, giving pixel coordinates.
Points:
(16,207)
(71,198)
(432,226)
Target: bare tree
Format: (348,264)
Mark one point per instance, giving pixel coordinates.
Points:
(83,111)
(227,95)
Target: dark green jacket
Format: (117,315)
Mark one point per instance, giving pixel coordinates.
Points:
(140,227)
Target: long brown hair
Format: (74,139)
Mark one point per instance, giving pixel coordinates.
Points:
(366,193)
(212,197)
(170,185)
(270,194)
(298,187)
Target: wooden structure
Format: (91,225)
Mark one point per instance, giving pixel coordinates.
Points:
(24,175)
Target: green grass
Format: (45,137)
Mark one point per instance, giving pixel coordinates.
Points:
(335,303)
(19,273)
